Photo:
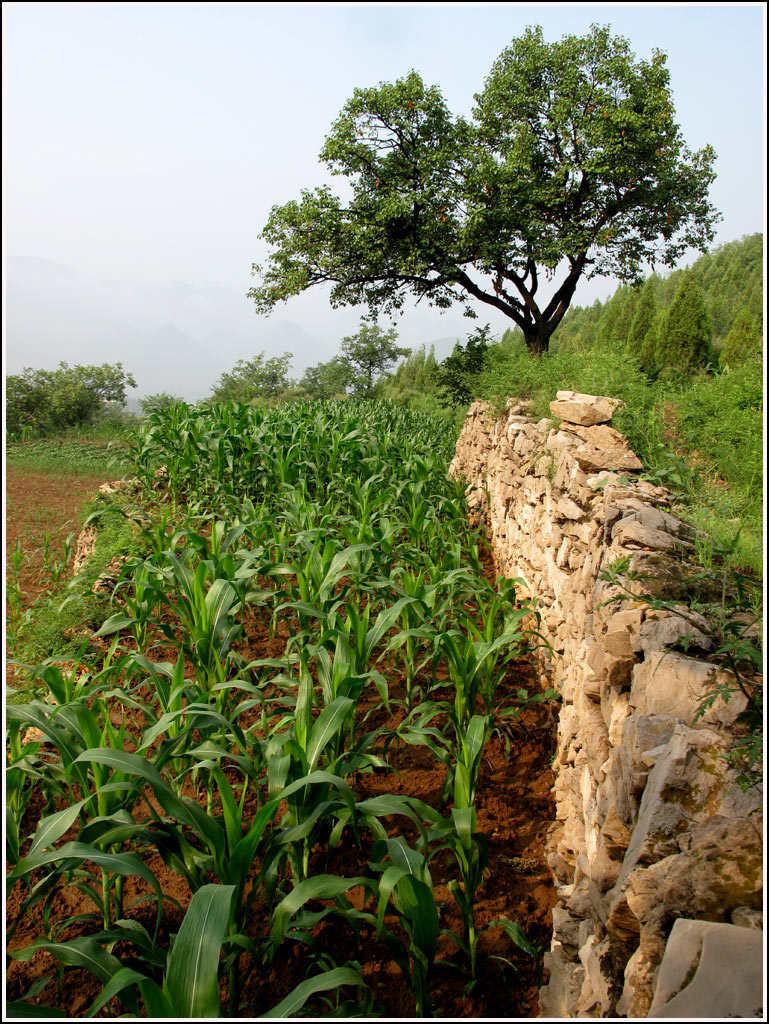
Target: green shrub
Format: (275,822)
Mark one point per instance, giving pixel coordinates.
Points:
(40,402)
(743,340)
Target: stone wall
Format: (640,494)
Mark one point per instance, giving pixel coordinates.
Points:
(650,828)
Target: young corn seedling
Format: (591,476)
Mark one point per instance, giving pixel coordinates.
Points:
(311,742)
(405,888)
(206,619)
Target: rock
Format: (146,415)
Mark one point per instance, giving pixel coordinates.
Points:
(85,547)
(565,928)
(568,509)
(650,826)
(584,409)
(667,683)
(639,976)
(721,871)
(602,986)
(565,984)
(629,532)
(747,917)
(662,629)
(680,786)
(604,448)
(727,964)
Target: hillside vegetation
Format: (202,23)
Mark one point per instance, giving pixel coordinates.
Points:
(683,352)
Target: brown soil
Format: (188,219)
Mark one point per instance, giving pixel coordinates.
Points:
(514,807)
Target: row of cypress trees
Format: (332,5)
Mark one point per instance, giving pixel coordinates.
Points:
(710,313)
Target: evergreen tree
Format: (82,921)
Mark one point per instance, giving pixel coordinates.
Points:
(685,336)
(650,344)
(618,315)
(743,340)
(643,318)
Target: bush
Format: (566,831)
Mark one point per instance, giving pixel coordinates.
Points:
(158,403)
(40,402)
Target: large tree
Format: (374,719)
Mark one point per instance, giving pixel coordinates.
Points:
(572,165)
(254,378)
(369,353)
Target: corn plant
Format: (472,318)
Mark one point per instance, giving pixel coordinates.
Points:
(206,616)
(405,887)
(309,743)
(470,849)
(22,774)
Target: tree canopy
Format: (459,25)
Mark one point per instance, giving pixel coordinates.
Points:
(369,353)
(572,165)
(46,401)
(254,378)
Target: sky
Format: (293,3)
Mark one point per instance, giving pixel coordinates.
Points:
(146,143)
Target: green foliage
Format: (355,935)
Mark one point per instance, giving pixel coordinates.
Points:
(713,422)
(618,314)
(68,457)
(458,371)
(157,403)
(743,340)
(643,318)
(731,279)
(414,382)
(252,379)
(327,380)
(650,343)
(238,775)
(369,353)
(733,629)
(684,340)
(40,402)
(572,158)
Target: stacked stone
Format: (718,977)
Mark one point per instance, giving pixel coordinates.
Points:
(650,827)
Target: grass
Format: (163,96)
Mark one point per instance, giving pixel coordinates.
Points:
(701,435)
(63,607)
(68,457)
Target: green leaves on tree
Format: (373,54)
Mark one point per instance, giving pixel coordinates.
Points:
(572,165)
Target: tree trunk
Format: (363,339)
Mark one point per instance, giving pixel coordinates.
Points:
(538,340)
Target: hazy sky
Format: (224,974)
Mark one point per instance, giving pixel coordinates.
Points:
(147,142)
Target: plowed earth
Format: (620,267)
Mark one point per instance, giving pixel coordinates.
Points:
(514,808)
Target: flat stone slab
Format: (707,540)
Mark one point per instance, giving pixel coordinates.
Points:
(586,410)
(728,971)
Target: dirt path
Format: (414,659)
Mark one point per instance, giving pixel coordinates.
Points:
(41,509)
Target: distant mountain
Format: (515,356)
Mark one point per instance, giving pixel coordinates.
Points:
(172,337)
(175,336)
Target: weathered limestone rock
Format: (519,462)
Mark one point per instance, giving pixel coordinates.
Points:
(650,826)
(748,917)
(668,683)
(710,970)
(584,409)
(604,448)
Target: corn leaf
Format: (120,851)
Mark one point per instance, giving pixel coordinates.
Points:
(329,979)
(192,979)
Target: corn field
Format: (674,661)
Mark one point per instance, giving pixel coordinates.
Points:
(310,602)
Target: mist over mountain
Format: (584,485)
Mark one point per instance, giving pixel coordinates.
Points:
(173,337)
